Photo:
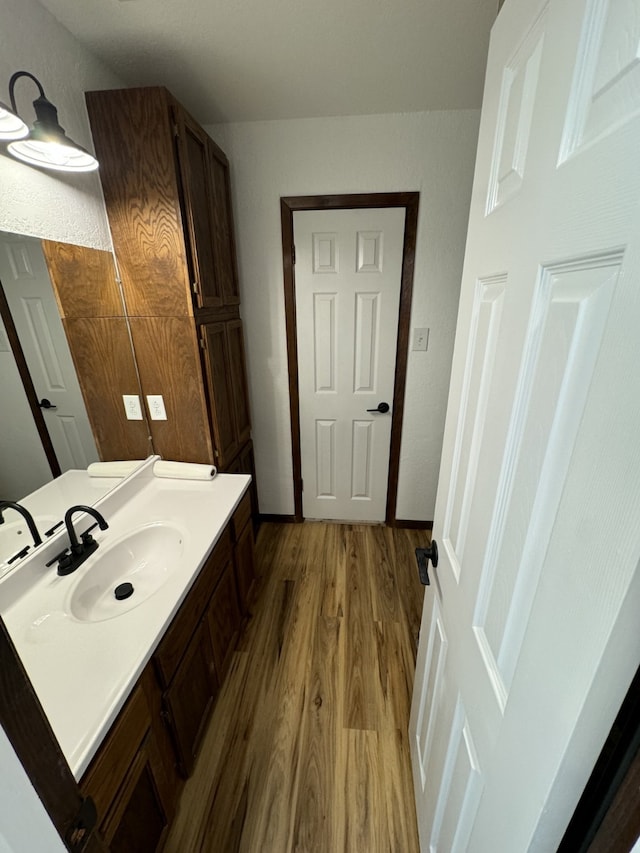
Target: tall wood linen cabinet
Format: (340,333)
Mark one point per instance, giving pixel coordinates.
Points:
(166,188)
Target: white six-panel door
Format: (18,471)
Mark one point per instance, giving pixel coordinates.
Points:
(348,276)
(530,633)
(26,282)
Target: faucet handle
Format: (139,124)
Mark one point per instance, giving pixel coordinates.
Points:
(63,559)
(86,537)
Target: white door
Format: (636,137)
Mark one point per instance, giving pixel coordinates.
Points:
(348,276)
(530,632)
(26,283)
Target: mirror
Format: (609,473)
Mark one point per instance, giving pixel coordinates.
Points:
(60,303)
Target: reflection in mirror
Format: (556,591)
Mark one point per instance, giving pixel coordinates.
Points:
(45,429)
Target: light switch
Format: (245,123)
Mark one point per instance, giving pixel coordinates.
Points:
(157,410)
(132,407)
(420,340)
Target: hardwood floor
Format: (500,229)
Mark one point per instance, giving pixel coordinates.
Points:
(307,749)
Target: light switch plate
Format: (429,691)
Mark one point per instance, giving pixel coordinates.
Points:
(157,410)
(132,407)
(420,340)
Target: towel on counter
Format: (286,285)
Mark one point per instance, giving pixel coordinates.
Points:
(113,469)
(184,470)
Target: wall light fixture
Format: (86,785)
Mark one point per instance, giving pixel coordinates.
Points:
(46,145)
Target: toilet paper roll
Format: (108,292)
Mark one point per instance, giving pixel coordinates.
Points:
(113,469)
(184,470)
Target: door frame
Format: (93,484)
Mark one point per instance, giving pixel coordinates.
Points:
(288,206)
(27,382)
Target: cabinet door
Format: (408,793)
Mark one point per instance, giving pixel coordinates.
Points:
(225,248)
(245,566)
(138,821)
(224,621)
(189,700)
(235,342)
(199,202)
(217,364)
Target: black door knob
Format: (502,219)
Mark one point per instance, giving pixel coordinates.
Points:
(46,404)
(383,408)
(423,555)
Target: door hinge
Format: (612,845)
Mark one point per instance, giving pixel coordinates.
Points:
(293,255)
(83,824)
(195,287)
(203,342)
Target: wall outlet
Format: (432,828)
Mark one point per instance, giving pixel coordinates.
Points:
(157,410)
(420,340)
(132,407)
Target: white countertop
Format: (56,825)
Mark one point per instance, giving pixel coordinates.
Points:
(82,671)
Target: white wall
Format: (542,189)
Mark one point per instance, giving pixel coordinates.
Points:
(24,823)
(430,152)
(68,208)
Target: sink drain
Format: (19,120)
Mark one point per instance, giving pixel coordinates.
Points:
(123,590)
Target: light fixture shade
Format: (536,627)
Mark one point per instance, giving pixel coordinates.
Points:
(47,145)
(11,125)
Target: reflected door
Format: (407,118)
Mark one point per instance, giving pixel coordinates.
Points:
(25,280)
(348,276)
(529,636)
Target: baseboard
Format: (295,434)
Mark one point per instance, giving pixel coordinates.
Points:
(278,519)
(412,525)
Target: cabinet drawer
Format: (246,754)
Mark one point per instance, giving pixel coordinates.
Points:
(175,641)
(241,515)
(104,776)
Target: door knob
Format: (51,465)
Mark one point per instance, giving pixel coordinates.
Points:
(383,408)
(423,555)
(46,404)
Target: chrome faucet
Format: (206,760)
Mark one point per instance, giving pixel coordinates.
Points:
(74,556)
(37,539)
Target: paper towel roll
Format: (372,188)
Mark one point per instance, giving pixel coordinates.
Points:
(184,470)
(113,469)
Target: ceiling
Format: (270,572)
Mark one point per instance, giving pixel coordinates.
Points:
(246,60)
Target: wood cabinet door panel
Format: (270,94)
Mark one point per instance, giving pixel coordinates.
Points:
(134,143)
(235,341)
(220,381)
(245,566)
(174,643)
(224,621)
(225,249)
(189,700)
(199,201)
(137,821)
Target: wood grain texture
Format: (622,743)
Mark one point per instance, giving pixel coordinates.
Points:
(134,142)
(101,352)
(239,387)
(217,365)
(169,364)
(307,749)
(84,280)
(225,247)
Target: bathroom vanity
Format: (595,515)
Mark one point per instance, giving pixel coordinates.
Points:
(128,685)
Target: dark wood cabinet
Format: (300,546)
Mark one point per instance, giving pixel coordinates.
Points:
(167,191)
(137,774)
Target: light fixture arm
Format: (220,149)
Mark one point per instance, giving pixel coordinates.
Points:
(12,82)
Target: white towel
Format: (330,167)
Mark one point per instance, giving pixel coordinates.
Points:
(113,469)
(184,470)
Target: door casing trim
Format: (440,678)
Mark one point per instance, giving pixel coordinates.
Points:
(288,206)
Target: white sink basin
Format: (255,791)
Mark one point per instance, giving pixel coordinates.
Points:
(144,558)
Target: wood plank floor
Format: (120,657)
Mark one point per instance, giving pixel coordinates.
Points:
(307,749)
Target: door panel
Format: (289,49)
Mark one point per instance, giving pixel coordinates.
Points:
(34,309)
(528,642)
(348,269)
